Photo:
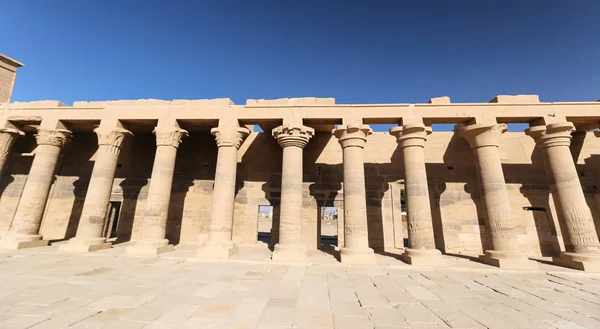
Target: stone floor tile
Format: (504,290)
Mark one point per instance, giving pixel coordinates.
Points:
(346,322)
(313,317)
(277,316)
(196,322)
(251,308)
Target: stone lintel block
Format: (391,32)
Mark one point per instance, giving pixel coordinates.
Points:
(516,99)
(357,256)
(217,250)
(423,257)
(39,104)
(582,262)
(439,100)
(285,253)
(508,260)
(149,248)
(85,245)
(12,244)
(301,101)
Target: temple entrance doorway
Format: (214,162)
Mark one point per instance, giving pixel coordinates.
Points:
(110,230)
(265,224)
(328,228)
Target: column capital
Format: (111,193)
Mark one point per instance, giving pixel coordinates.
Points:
(7,139)
(555,134)
(411,134)
(293,135)
(482,134)
(54,137)
(111,140)
(230,137)
(169,137)
(352,135)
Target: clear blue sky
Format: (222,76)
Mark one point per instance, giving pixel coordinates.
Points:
(357,52)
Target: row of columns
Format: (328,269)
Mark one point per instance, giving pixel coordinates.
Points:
(581,240)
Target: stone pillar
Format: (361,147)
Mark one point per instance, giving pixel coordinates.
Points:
(581,241)
(95,208)
(293,139)
(24,229)
(421,242)
(220,243)
(352,138)
(8,137)
(484,139)
(154,227)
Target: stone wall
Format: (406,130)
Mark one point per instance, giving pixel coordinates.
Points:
(458,218)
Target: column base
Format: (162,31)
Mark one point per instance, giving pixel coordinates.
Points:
(149,248)
(583,262)
(289,253)
(14,242)
(357,256)
(85,245)
(508,260)
(217,250)
(423,257)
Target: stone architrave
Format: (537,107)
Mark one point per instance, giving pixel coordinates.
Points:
(292,139)
(421,242)
(152,240)
(581,241)
(484,139)
(24,229)
(352,138)
(8,136)
(220,243)
(95,208)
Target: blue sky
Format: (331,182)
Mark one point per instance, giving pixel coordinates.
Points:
(357,52)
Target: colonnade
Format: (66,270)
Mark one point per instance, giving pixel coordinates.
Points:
(581,240)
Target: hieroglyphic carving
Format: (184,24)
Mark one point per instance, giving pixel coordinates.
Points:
(501,223)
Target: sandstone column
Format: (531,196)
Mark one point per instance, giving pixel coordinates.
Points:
(8,137)
(484,139)
(24,230)
(581,241)
(352,138)
(152,240)
(421,242)
(220,243)
(89,231)
(292,138)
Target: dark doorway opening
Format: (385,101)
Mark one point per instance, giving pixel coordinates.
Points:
(110,230)
(265,224)
(329,227)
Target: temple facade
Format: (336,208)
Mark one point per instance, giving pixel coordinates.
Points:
(156,173)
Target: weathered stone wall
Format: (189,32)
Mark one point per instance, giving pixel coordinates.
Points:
(458,218)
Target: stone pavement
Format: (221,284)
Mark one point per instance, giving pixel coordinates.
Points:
(42,288)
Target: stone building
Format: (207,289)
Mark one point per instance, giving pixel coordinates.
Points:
(157,173)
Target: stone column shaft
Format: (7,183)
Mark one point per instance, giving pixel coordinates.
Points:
(293,139)
(95,208)
(24,230)
(220,243)
(353,138)
(484,139)
(8,137)
(421,241)
(152,239)
(581,241)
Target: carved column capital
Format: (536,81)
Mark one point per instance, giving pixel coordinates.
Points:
(352,135)
(111,140)
(555,134)
(483,134)
(55,137)
(7,139)
(230,137)
(412,134)
(169,137)
(293,135)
